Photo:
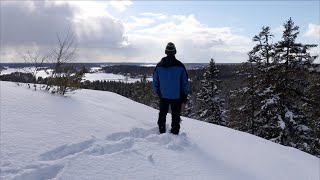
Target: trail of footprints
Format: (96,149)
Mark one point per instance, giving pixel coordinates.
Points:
(51,163)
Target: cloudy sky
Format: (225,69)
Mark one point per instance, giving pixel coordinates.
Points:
(138,31)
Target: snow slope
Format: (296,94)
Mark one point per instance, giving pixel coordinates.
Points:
(101,135)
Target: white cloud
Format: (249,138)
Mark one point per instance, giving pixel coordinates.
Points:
(158,16)
(313,30)
(38,22)
(121,5)
(102,37)
(195,42)
(137,22)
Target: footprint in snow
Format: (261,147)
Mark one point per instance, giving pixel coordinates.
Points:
(134,133)
(113,143)
(40,173)
(170,141)
(150,158)
(66,150)
(110,148)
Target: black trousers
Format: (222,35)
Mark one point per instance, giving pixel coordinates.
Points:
(175,110)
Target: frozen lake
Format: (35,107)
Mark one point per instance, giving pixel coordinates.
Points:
(94,75)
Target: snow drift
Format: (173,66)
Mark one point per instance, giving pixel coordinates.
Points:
(101,135)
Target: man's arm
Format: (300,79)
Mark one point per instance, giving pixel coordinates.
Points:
(156,82)
(185,85)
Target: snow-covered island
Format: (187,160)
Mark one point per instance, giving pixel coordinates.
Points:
(102,135)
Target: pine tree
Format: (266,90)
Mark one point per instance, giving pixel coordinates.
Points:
(254,104)
(189,108)
(312,111)
(270,105)
(242,100)
(292,63)
(140,92)
(265,120)
(210,104)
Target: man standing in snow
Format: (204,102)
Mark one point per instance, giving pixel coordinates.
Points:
(170,82)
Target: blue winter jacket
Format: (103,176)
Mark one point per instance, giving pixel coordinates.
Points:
(170,78)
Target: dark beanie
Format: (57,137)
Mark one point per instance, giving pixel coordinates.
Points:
(170,49)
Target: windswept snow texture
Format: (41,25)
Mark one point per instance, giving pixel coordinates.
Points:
(101,135)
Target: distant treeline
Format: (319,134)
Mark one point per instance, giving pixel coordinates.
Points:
(226,74)
(147,96)
(194,73)
(129,70)
(89,65)
(46,65)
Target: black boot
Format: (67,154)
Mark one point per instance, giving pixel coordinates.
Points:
(175,131)
(162,129)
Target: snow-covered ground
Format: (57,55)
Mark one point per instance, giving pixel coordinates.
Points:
(102,135)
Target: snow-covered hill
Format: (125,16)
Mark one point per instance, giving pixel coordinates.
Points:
(101,135)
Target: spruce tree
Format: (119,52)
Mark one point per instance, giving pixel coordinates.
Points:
(272,102)
(243,102)
(210,104)
(254,104)
(292,63)
(265,120)
(140,92)
(188,109)
(312,111)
